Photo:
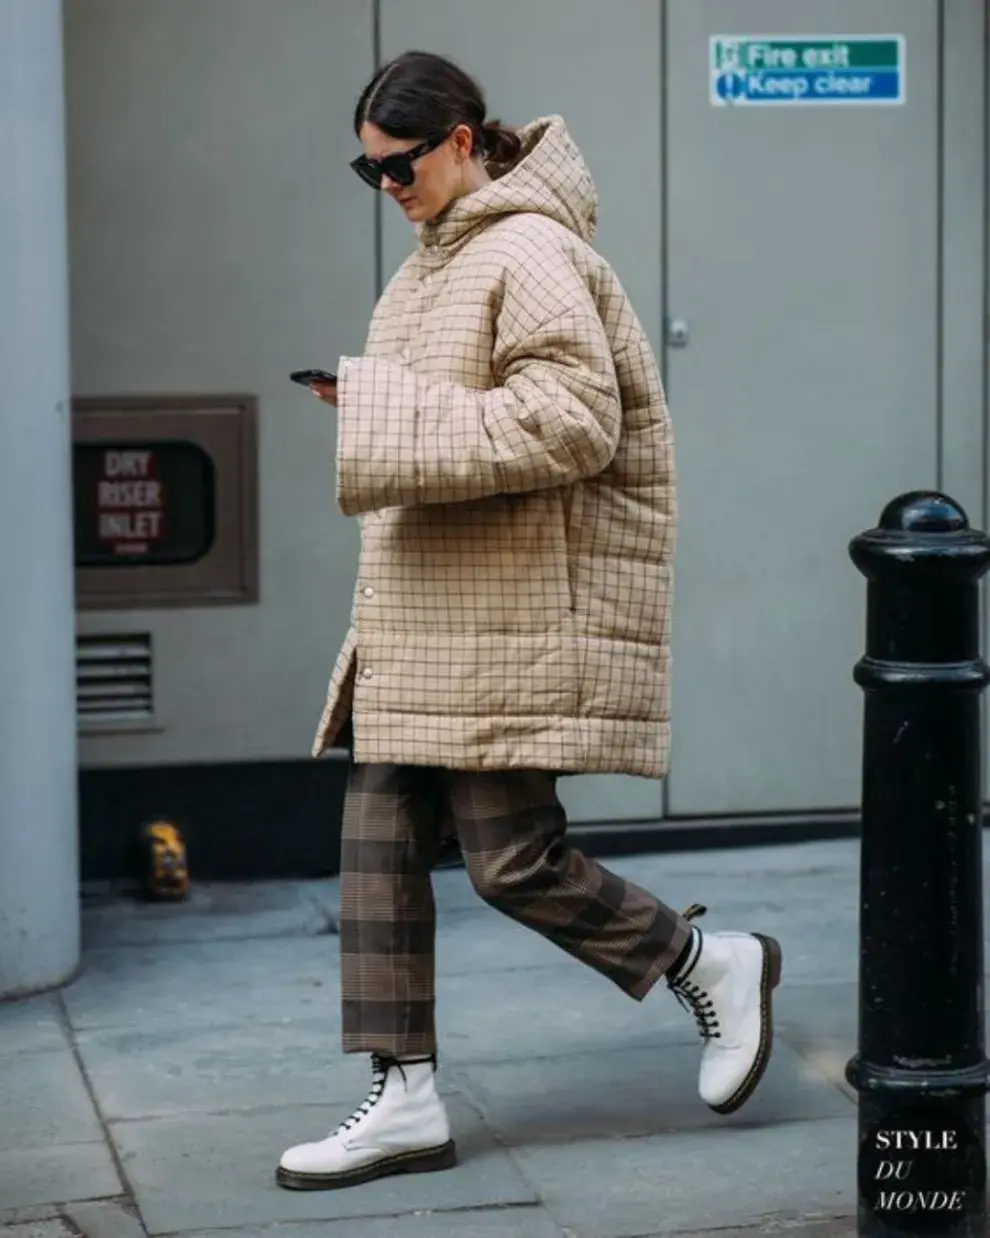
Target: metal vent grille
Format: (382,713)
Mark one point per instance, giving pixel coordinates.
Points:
(113,681)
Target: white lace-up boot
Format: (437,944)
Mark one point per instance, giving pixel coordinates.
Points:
(727,982)
(401,1128)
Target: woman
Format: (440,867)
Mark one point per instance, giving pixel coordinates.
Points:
(506,443)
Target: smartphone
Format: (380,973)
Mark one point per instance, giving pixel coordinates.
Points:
(305,377)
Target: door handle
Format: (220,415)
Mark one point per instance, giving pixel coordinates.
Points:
(678,333)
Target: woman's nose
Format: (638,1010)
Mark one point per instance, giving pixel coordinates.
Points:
(389,185)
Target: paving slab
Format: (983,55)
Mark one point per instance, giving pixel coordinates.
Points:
(211,1172)
(828,1058)
(213,911)
(44,1102)
(834,1227)
(218,983)
(488,941)
(117,1011)
(821,1023)
(567,1008)
(41,1175)
(571,1009)
(105,1219)
(748,901)
(665,1184)
(807,961)
(800,858)
(196,1069)
(23,1216)
(809,1012)
(635,1093)
(818,861)
(507,1222)
(32,1025)
(55,1227)
(810,957)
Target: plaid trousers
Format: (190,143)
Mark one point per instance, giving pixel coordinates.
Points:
(511,828)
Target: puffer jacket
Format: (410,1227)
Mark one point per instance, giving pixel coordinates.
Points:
(506,443)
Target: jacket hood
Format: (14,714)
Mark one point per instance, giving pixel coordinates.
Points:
(548,177)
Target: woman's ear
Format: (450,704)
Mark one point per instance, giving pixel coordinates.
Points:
(463,142)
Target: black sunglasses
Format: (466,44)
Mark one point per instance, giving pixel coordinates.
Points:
(398,167)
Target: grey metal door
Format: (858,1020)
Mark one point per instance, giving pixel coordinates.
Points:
(802,288)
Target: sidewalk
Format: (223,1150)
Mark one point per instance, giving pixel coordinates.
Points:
(156,1093)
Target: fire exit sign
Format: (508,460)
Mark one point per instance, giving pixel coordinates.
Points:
(783,70)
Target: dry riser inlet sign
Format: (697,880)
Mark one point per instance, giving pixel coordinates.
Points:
(781,70)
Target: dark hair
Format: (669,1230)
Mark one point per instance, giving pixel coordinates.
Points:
(419,95)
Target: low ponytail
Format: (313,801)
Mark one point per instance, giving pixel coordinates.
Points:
(501,145)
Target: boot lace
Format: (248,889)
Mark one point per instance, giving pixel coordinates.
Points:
(692,997)
(380,1067)
(698,1003)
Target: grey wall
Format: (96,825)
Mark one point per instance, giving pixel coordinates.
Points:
(218,241)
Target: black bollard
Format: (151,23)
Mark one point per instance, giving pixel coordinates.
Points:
(921,1066)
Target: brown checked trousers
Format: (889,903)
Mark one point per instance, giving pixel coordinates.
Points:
(511,829)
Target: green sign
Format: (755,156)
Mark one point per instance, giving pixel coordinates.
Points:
(747,70)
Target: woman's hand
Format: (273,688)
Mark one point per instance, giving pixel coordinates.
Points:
(327,392)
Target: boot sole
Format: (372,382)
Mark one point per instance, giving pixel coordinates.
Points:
(769,980)
(419,1162)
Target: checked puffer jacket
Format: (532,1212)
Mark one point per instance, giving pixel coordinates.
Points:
(505,441)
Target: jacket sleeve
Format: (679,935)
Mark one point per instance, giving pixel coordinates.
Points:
(554,417)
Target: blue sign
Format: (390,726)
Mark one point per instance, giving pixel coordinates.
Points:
(806,69)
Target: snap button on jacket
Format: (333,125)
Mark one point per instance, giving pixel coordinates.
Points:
(506,444)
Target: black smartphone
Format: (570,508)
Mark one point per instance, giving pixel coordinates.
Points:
(305,377)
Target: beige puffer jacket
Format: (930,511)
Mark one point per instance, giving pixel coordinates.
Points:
(506,441)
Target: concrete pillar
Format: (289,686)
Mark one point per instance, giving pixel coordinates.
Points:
(39,867)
